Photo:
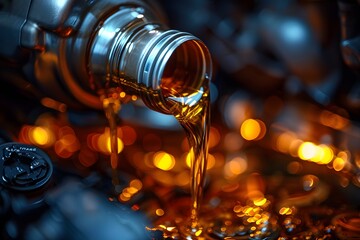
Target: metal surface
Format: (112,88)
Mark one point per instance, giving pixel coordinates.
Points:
(72,50)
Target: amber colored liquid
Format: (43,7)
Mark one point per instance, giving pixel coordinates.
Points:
(111,107)
(193,113)
(192,110)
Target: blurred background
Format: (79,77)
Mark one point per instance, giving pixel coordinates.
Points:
(284,148)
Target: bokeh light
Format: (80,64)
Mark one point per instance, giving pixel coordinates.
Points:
(120,145)
(164,161)
(210,161)
(339,163)
(127,134)
(189,158)
(130,191)
(284,141)
(235,167)
(252,129)
(40,135)
(87,157)
(67,143)
(232,142)
(307,150)
(333,120)
(326,154)
(285,211)
(214,137)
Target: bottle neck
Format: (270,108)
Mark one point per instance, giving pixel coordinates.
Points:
(144,58)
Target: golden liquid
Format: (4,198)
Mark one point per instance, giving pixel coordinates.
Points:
(192,110)
(193,113)
(111,108)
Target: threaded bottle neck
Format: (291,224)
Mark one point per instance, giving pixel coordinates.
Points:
(148,60)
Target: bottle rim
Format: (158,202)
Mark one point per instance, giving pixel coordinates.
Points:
(177,64)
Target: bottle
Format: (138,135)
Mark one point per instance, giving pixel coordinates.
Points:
(74,50)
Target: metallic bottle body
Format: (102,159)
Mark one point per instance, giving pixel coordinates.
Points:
(74,49)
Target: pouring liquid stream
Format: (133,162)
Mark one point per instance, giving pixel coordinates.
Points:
(192,110)
(111,108)
(193,113)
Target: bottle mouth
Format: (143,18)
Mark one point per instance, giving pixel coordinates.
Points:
(176,67)
(185,69)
